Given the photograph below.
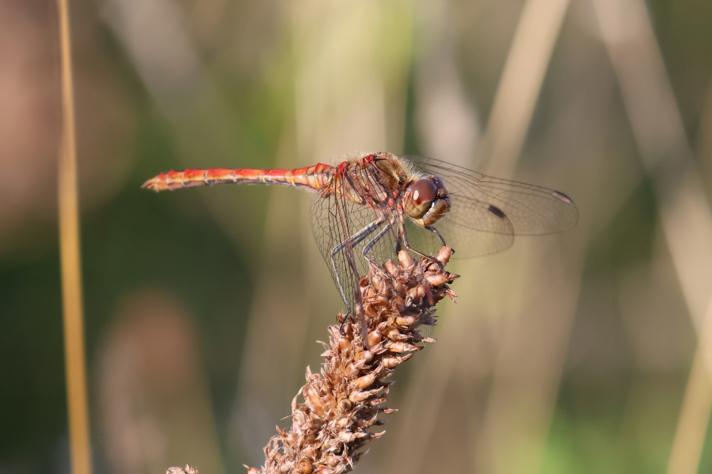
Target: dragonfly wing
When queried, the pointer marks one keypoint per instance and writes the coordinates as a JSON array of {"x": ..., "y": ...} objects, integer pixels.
[
  {"x": 532, "y": 209},
  {"x": 496, "y": 208},
  {"x": 493, "y": 233},
  {"x": 336, "y": 219}
]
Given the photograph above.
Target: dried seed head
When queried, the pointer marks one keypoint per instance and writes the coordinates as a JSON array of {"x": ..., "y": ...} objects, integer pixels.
[
  {"x": 444, "y": 255},
  {"x": 399, "y": 347},
  {"x": 395, "y": 335},
  {"x": 374, "y": 337},
  {"x": 345, "y": 405},
  {"x": 191, "y": 470},
  {"x": 334, "y": 411},
  {"x": 406, "y": 321},
  {"x": 364, "y": 356},
  {"x": 393, "y": 361},
  {"x": 309, "y": 452},
  {"x": 304, "y": 467},
  {"x": 365, "y": 381},
  {"x": 405, "y": 259},
  {"x": 437, "y": 279}
]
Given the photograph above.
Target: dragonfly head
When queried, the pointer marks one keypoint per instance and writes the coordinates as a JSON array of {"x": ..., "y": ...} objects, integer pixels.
[{"x": 426, "y": 200}]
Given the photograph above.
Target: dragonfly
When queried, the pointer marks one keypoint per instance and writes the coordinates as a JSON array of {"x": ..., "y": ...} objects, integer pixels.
[{"x": 372, "y": 205}]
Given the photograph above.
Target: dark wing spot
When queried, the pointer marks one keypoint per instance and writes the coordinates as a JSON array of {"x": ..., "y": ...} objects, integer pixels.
[
  {"x": 564, "y": 197},
  {"x": 496, "y": 211}
]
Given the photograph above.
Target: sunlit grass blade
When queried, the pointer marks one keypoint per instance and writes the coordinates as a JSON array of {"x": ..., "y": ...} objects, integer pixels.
[{"x": 75, "y": 370}]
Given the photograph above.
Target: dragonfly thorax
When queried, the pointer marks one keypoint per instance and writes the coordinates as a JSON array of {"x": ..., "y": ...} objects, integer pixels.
[{"x": 426, "y": 200}]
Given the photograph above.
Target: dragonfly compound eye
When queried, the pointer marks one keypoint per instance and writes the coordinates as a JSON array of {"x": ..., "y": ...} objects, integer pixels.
[
  {"x": 424, "y": 191},
  {"x": 427, "y": 200},
  {"x": 421, "y": 195}
]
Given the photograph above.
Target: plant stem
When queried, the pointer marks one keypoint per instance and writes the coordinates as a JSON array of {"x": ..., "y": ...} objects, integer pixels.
[{"x": 75, "y": 370}]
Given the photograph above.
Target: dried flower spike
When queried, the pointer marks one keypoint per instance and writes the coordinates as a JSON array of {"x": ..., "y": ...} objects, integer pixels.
[
  {"x": 333, "y": 413},
  {"x": 182, "y": 470}
]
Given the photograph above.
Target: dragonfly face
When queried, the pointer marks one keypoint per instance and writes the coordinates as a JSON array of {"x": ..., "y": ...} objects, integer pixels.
[{"x": 426, "y": 200}]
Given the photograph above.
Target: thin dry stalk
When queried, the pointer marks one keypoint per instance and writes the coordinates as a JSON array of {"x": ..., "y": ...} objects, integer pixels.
[
  {"x": 522, "y": 78},
  {"x": 182, "y": 470},
  {"x": 334, "y": 412},
  {"x": 75, "y": 371}
]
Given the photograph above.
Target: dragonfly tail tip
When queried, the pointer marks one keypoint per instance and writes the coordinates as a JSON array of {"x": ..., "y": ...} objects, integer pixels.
[{"x": 150, "y": 185}]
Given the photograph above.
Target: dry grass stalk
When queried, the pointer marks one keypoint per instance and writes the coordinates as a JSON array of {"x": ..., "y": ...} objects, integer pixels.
[
  {"x": 70, "y": 261},
  {"x": 334, "y": 412},
  {"x": 182, "y": 470}
]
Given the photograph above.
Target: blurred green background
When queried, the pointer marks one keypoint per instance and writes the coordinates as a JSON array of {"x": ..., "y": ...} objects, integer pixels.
[{"x": 585, "y": 352}]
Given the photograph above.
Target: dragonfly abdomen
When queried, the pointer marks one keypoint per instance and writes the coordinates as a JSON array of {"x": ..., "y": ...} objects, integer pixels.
[{"x": 312, "y": 177}]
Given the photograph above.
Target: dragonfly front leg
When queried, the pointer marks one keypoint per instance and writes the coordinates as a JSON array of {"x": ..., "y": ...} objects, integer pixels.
[
  {"x": 402, "y": 242},
  {"x": 351, "y": 242},
  {"x": 440, "y": 236}
]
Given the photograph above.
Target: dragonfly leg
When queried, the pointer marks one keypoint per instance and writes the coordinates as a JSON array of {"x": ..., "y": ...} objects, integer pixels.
[
  {"x": 437, "y": 232},
  {"x": 366, "y": 251},
  {"x": 402, "y": 242},
  {"x": 371, "y": 243},
  {"x": 351, "y": 242}
]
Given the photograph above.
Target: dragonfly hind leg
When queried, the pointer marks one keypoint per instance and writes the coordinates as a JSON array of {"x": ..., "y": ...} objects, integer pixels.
[
  {"x": 347, "y": 245},
  {"x": 366, "y": 251}
]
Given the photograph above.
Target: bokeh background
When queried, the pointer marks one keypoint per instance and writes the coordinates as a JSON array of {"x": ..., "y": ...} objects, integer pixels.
[{"x": 585, "y": 352}]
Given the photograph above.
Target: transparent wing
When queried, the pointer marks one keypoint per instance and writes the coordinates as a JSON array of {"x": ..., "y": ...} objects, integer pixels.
[
  {"x": 487, "y": 212},
  {"x": 336, "y": 219},
  {"x": 493, "y": 233}
]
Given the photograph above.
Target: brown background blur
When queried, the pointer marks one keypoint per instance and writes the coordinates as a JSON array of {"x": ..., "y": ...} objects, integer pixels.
[{"x": 585, "y": 352}]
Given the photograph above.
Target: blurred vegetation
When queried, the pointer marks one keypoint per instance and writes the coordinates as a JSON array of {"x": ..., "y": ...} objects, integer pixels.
[{"x": 568, "y": 354}]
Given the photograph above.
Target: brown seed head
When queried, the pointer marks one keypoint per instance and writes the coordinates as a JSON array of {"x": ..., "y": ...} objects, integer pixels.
[{"x": 335, "y": 411}]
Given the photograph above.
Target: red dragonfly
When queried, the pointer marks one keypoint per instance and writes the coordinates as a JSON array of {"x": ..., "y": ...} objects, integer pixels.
[{"x": 372, "y": 205}]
